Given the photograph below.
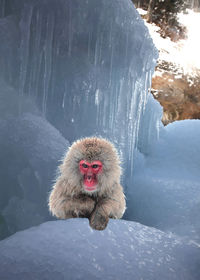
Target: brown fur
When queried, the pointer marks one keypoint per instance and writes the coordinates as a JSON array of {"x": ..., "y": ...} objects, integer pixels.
[{"x": 68, "y": 199}]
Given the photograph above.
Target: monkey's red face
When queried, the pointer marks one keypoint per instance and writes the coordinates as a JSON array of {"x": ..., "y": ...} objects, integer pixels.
[{"x": 90, "y": 172}]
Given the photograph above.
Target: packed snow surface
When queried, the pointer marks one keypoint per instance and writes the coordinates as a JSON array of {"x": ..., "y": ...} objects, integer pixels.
[{"x": 70, "y": 249}]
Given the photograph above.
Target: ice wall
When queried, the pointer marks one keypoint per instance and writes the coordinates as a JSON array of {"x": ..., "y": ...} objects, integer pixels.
[
  {"x": 84, "y": 68},
  {"x": 88, "y": 66}
]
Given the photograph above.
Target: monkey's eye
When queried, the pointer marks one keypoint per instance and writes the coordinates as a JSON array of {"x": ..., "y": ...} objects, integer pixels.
[
  {"x": 85, "y": 165},
  {"x": 95, "y": 166}
]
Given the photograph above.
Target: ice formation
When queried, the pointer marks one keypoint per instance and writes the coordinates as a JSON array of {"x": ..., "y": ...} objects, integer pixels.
[
  {"x": 85, "y": 67},
  {"x": 90, "y": 61}
]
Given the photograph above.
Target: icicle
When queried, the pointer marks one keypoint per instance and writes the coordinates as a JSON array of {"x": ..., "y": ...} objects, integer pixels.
[
  {"x": 89, "y": 43},
  {"x": 37, "y": 56},
  {"x": 70, "y": 32},
  {"x": 24, "y": 46},
  {"x": 111, "y": 65},
  {"x": 48, "y": 59},
  {"x": 2, "y": 10}
]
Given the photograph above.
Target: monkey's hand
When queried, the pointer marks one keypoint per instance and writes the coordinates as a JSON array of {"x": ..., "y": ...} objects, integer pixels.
[
  {"x": 99, "y": 218},
  {"x": 109, "y": 207}
]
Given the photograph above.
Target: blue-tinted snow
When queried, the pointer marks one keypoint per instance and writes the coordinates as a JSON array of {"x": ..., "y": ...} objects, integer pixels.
[
  {"x": 72, "y": 250},
  {"x": 30, "y": 150},
  {"x": 166, "y": 186}
]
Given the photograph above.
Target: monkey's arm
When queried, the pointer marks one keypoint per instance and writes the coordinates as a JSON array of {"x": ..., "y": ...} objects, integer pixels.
[
  {"x": 109, "y": 207},
  {"x": 64, "y": 206}
]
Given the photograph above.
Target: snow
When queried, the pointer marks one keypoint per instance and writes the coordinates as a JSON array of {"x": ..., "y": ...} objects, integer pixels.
[
  {"x": 72, "y": 250},
  {"x": 184, "y": 54},
  {"x": 190, "y": 49},
  {"x": 30, "y": 149},
  {"x": 81, "y": 68},
  {"x": 166, "y": 187}
]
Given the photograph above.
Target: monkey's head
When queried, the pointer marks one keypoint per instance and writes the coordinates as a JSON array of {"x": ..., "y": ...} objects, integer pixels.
[{"x": 92, "y": 165}]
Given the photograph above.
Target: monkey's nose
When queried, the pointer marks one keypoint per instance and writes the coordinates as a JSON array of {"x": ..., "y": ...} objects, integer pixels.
[{"x": 89, "y": 177}]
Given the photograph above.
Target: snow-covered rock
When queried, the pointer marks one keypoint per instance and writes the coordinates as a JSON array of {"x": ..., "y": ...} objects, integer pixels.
[{"x": 70, "y": 249}]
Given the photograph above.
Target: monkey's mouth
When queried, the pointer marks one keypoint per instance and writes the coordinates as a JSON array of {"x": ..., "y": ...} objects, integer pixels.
[{"x": 90, "y": 182}]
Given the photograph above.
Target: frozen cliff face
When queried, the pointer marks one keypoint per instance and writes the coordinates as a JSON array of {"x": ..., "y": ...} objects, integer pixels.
[
  {"x": 72, "y": 250},
  {"x": 88, "y": 66}
]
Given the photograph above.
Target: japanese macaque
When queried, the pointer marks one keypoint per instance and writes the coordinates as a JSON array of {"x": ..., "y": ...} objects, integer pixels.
[{"x": 89, "y": 184}]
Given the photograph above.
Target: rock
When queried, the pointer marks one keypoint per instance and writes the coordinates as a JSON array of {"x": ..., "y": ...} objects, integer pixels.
[{"x": 178, "y": 94}]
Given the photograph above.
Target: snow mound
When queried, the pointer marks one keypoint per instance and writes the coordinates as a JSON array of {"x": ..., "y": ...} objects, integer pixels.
[
  {"x": 30, "y": 148},
  {"x": 166, "y": 192},
  {"x": 177, "y": 153},
  {"x": 70, "y": 249}
]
